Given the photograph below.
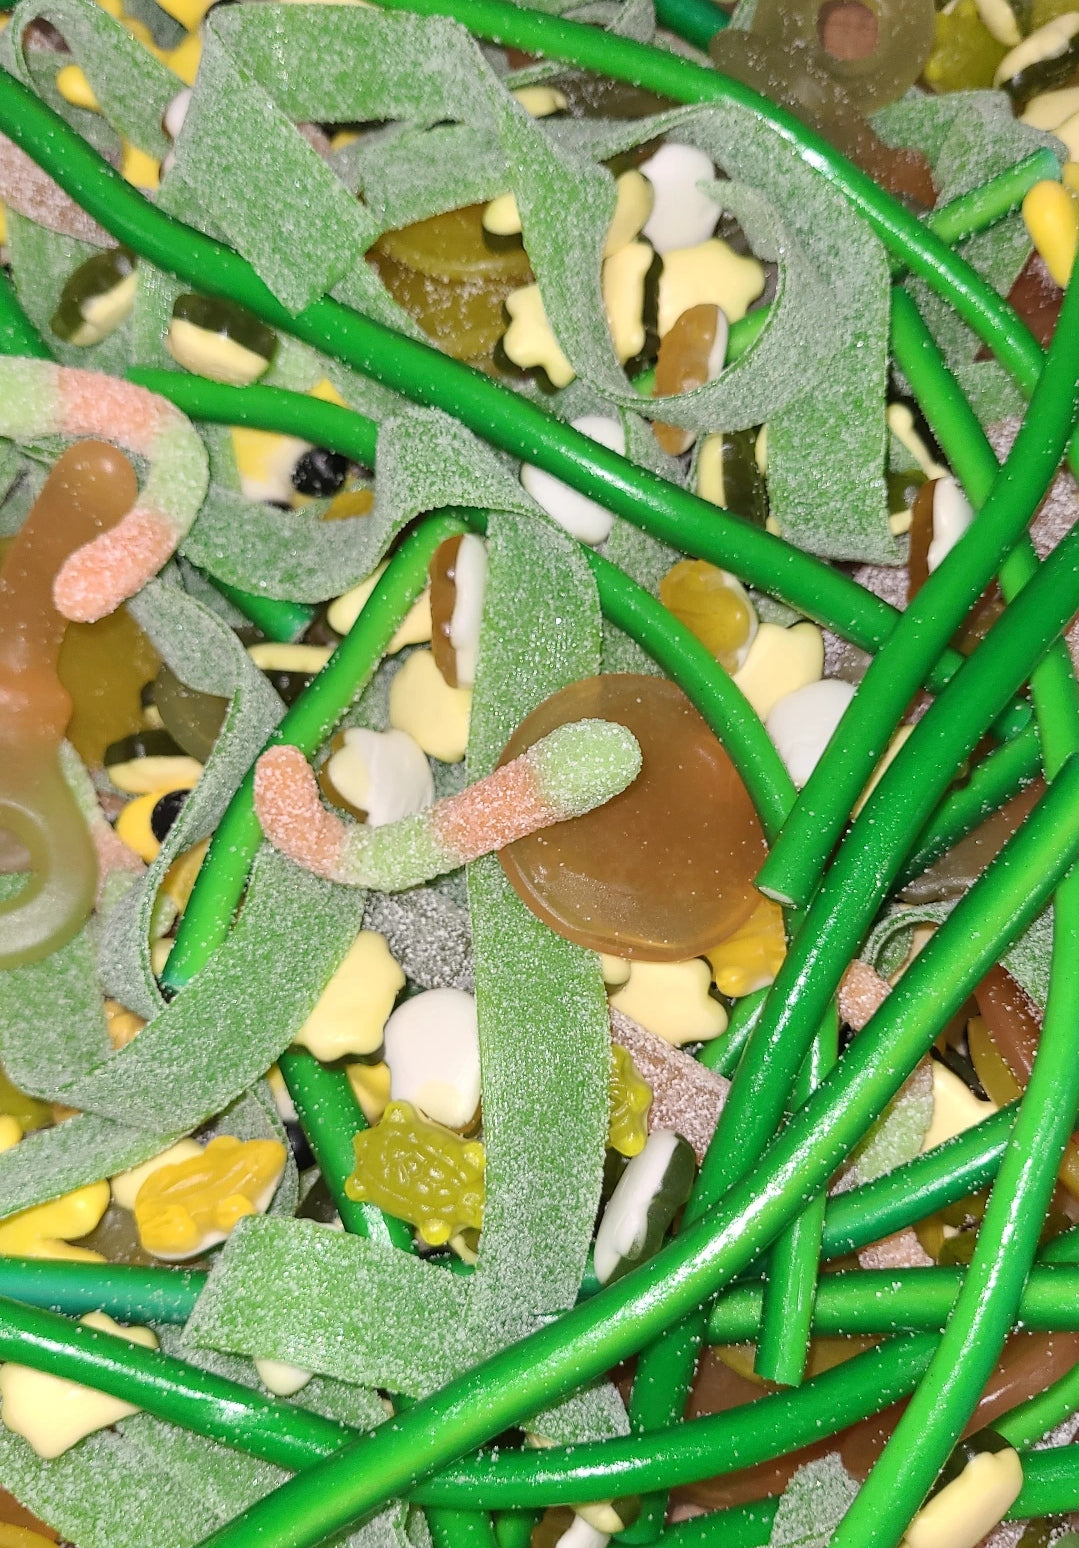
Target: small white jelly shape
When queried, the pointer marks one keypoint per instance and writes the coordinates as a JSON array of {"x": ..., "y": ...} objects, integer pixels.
[
  {"x": 581, "y": 517},
  {"x": 952, "y": 515},
  {"x": 801, "y": 724},
  {"x": 682, "y": 215},
  {"x": 53, "y": 1413},
  {"x": 433, "y": 1051},
  {"x": 382, "y": 773},
  {"x": 281, "y": 1378},
  {"x": 622, "y": 1230},
  {"x": 470, "y": 588}
]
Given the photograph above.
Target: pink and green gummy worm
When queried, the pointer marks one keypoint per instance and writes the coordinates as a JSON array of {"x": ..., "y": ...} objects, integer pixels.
[
  {"x": 38, "y": 398},
  {"x": 567, "y": 773}
]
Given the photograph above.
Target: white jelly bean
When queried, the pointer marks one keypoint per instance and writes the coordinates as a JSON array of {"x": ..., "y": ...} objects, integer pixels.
[
  {"x": 582, "y": 518},
  {"x": 682, "y": 215},
  {"x": 801, "y": 724},
  {"x": 433, "y": 1051}
]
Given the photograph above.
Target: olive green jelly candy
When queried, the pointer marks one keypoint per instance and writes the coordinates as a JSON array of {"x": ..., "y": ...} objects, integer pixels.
[{"x": 97, "y": 298}]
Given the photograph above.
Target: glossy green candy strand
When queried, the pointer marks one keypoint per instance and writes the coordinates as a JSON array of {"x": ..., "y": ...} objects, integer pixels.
[
  {"x": 1007, "y": 1239},
  {"x": 294, "y": 1437},
  {"x": 875, "y": 848},
  {"x": 1050, "y": 1488},
  {"x": 625, "y": 1315}
]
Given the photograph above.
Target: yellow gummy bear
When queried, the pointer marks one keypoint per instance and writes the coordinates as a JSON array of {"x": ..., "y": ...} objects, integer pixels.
[
  {"x": 630, "y": 1099},
  {"x": 181, "y": 1210},
  {"x": 46, "y": 1230},
  {"x": 420, "y": 1172},
  {"x": 750, "y": 958}
]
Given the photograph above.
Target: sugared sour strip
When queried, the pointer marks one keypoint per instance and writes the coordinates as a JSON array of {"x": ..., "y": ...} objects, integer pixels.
[
  {"x": 567, "y": 773},
  {"x": 597, "y": 1334},
  {"x": 39, "y": 399}
]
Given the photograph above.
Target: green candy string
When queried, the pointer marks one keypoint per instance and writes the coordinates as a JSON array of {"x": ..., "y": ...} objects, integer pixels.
[
  {"x": 293, "y": 1437},
  {"x": 625, "y": 1315},
  {"x": 1050, "y": 1488}
]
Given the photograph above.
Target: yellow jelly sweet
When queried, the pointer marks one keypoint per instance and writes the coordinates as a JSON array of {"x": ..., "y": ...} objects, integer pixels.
[
  {"x": 750, "y": 958},
  {"x": 47, "y": 1230},
  {"x": 630, "y": 1099},
  {"x": 421, "y": 1172},
  {"x": 965, "y": 53},
  {"x": 713, "y": 607},
  {"x": 181, "y": 1210}
]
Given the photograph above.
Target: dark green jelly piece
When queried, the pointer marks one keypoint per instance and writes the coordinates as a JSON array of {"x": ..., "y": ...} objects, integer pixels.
[
  {"x": 220, "y": 339},
  {"x": 289, "y": 685},
  {"x": 96, "y": 298},
  {"x": 144, "y": 744},
  {"x": 901, "y": 46},
  {"x": 191, "y": 717}
]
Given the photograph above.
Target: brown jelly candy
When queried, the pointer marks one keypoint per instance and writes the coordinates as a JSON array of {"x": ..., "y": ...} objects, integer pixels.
[{"x": 664, "y": 870}]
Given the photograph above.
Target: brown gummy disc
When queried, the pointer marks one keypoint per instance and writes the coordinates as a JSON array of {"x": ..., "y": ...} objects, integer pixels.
[{"x": 666, "y": 869}]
